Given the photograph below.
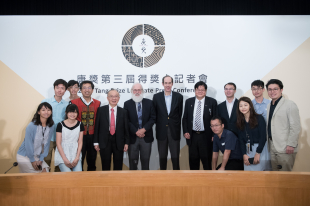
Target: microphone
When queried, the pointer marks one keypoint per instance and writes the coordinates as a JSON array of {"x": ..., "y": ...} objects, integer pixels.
[{"x": 14, "y": 165}]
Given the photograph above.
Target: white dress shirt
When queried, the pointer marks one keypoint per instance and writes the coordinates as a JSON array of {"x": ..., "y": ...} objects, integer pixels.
[
  {"x": 87, "y": 103},
  {"x": 230, "y": 106},
  {"x": 202, "y": 128}
]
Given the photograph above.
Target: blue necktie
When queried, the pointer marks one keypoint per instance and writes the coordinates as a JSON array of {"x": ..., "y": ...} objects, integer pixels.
[{"x": 139, "y": 115}]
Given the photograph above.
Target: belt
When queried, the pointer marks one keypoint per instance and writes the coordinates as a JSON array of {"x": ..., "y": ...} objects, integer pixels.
[{"x": 198, "y": 132}]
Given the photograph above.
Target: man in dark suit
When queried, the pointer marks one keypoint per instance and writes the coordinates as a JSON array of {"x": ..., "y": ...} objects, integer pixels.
[
  {"x": 111, "y": 132},
  {"x": 228, "y": 109},
  {"x": 196, "y": 127},
  {"x": 141, "y": 117},
  {"x": 168, "y": 107}
]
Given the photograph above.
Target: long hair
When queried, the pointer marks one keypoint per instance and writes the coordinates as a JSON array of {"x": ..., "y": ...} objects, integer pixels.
[
  {"x": 36, "y": 117},
  {"x": 240, "y": 116},
  {"x": 72, "y": 108}
]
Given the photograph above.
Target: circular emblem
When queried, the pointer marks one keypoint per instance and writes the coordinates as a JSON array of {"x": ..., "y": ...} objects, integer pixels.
[{"x": 143, "y": 45}]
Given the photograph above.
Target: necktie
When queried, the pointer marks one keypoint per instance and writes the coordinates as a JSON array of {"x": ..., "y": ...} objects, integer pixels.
[
  {"x": 139, "y": 115},
  {"x": 112, "y": 123},
  {"x": 197, "y": 117}
]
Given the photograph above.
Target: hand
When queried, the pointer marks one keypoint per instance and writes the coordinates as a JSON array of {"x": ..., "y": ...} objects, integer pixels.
[
  {"x": 212, "y": 138},
  {"x": 44, "y": 170},
  {"x": 125, "y": 147},
  {"x": 68, "y": 163},
  {"x": 140, "y": 133},
  {"x": 187, "y": 135},
  {"x": 246, "y": 160},
  {"x": 289, "y": 150},
  {"x": 75, "y": 161},
  {"x": 35, "y": 165},
  {"x": 256, "y": 158},
  {"x": 221, "y": 168},
  {"x": 97, "y": 148}
]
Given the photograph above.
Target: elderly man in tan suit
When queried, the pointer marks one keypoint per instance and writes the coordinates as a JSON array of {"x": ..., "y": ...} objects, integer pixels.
[{"x": 283, "y": 127}]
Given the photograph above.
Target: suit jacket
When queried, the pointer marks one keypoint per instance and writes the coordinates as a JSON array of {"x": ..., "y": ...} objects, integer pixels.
[
  {"x": 163, "y": 120},
  {"x": 210, "y": 110},
  {"x": 148, "y": 119},
  {"x": 229, "y": 123},
  {"x": 285, "y": 125},
  {"x": 102, "y": 130}
]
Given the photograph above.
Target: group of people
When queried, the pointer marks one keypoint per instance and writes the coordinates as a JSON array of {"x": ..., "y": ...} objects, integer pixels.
[{"x": 252, "y": 135}]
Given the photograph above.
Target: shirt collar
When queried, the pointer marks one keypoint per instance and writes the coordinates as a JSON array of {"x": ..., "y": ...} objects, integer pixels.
[
  {"x": 231, "y": 102},
  {"x": 54, "y": 100},
  {"x": 170, "y": 95},
  {"x": 115, "y": 108},
  {"x": 276, "y": 102},
  {"x": 265, "y": 101},
  {"x": 202, "y": 100},
  {"x": 85, "y": 100}
]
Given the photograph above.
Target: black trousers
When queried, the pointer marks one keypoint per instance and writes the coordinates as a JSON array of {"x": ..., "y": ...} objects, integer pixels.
[
  {"x": 174, "y": 147},
  {"x": 106, "y": 153},
  {"x": 233, "y": 164},
  {"x": 201, "y": 148},
  {"x": 89, "y": 152}
]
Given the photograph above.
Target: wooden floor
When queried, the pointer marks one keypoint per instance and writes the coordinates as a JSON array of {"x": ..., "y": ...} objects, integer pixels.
[{"x": 156, "y": 188}]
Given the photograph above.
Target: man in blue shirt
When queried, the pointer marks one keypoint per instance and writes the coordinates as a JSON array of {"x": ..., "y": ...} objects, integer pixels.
[
  {"x": 259, "y": 103},
  {"x": 228, "y": 143},
  {"x": 59, "y": 107}
]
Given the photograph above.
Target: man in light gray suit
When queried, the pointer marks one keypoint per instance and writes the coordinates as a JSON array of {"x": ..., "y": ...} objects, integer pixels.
[{"x": 283, "y": 127}]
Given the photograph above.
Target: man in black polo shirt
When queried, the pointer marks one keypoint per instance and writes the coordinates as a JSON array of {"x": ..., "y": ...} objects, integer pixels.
[{"x": 228, "y": 143}]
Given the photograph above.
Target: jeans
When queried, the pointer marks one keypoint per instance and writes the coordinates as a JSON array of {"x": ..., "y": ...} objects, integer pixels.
[{"x": 77, "y": 168}]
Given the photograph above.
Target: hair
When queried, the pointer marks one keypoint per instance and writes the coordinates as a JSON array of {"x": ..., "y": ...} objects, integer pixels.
[
  {"x": 231, "y": 83},
  {"x": 240, "y": 116},
  {"x": 36, "y": 117},
  {"x": 113, "y": 90},
  {"x": 72, "y": 83},
  {"x": 274, "y": 81},
  {"x": 60, "y": 81},
  {"x": 135, "y": 85},
  {"x": 258, "y": 83},
  {"x": 71, "y": 108},
  {"x": 216, "y": 117},
  {"x": 201, "y": 83},
  {"x": 167, "y": 76},
  {"x": 87, "y": 82}
]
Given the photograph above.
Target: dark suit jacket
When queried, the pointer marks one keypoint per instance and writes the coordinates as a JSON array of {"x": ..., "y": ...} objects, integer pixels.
[
  {"x": 229, "y": 123},
  {"x": 210, "y": 109},
  {"x": 163, "y": 120},
  {"x": 102, "y": 131},
  {"x": 148, "y": 119}
]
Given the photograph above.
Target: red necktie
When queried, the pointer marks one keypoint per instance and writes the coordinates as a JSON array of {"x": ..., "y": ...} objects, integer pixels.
[{"x": 112, "y": 123}]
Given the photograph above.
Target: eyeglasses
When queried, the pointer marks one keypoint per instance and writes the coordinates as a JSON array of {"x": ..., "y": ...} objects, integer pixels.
[
  {"x": 87, "y": 88},
  {"x": 256, "y": 89},
  {"x": 200, "y": 90},
  {"x": 230, "y": 89},
  {"x": 271, "y": 90},
  {"x": 137, "y": 90},
  {"x": 113, "y": 97},
  {"x": 217, "y": 125}
]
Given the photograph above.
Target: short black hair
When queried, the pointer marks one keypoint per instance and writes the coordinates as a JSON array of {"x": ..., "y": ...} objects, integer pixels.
[
  {"x": 72, "y": 108},
  {"x": 36, "y": 117},
  {"x": 231, "y": 83},
  {"x": 87, "y": 82},
  {"x": 60, "y": 81},
  {"x": 72, "y": 83},
  {"x": 201, "y": 83},
  {"x": 258, "y": 83},
  {"x": 216, "y": 117},
  {"x": 167, "y": 76},
  {"x": 275, "y": 81}
]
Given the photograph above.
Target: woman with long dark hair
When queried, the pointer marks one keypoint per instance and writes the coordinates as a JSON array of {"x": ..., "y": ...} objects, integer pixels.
[
  {"x": 34, "y": 149},
  {"x": 69, "y": 141},
  {"x": 252, "y": 136}
]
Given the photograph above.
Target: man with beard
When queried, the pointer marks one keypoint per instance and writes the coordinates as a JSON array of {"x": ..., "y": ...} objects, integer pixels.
[{"x": 141, "y": 117}]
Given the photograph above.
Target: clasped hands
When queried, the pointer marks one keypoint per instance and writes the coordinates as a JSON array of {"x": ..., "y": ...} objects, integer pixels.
[
  {"x": 71, "y": 164},
  {"x": 140, "y": 133}
]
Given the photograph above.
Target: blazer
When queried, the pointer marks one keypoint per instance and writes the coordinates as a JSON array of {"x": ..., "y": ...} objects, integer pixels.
[
  {"x": 148, "y": 119},
  {"x": 229, "y": 123},
  {"x": 163, "y": 120},
  {"x": 102, "y": 131},
  {"x": 285, "y": 125},
  {"x": 210, "y": 110}
]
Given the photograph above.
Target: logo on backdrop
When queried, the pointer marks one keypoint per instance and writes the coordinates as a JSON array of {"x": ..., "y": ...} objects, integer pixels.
[{"x": 143, "y": 45}]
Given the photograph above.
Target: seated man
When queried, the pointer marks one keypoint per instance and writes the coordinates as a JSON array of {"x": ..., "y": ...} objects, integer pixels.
[{"x": 228, "y": 143}]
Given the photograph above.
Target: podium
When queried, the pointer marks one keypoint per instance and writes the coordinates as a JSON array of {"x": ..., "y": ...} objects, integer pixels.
[{"x": 156, "y": 188}]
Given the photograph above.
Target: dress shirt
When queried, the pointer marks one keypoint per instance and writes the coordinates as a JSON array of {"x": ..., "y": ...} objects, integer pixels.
[
  {"x": 230, "y": 106},
  {"x": 59, "y": 109},
  {"x": 202, "y": 128},
  {"x": 261, "y": 108},
  {"x": 168, "y": 100},
  {"x": 272, "y": 108},
  {"x": 87, "y": 103}
]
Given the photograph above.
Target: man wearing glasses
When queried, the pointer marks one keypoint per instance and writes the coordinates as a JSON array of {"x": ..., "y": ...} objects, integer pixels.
[
  {"x": 259, "y": 103},
  {"x": 87, "y": 115},
  {"x": 228, "y": 143},
  {"x": 196, "y": 127},
  {"x": 283, "y": 128},
  {"x": 228, "y": 109}
]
